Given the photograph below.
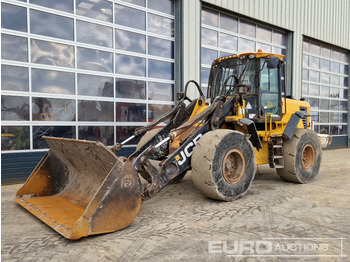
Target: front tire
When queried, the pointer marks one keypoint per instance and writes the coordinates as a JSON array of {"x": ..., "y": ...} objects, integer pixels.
[
  {"x": 223, "y": 164},
  {"x": 302, "y": 157}
]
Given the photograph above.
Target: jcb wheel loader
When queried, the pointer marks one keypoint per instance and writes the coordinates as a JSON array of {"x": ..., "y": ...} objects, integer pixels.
[{"x": 83, "y": 188}]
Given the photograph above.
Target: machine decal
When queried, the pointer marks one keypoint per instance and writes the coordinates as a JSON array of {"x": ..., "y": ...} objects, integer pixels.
[{"x": 187, "y": 152}]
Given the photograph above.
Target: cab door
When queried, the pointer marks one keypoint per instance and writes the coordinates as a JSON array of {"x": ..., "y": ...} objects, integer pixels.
[{"x": 269, "y": 93}]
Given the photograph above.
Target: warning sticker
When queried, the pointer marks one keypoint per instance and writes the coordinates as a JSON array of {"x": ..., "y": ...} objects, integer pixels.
[{"x": 248, "y": 106}]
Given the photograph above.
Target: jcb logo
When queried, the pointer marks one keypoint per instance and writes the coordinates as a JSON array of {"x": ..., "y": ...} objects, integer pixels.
[{"x": 187, "y": 151}]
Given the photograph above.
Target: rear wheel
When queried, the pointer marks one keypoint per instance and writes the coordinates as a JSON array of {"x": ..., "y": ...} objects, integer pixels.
[
  {"x": 302, "y": 157},
  {"x": 223, "y": 164}
]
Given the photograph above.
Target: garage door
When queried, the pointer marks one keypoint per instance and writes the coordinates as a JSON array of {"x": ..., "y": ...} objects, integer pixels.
[
  {"x": 226, "y": 34},
  {"x": 85, "y": 69},
  {"x": 325, "y": 86}
]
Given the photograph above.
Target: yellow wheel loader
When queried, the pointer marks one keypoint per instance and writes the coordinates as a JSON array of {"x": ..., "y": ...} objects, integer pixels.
[{"x": 83, "y": 188}]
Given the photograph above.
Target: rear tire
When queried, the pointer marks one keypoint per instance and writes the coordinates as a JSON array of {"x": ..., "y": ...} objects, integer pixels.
[
  {"x": 302, "y": 157},
  {"x": 223, "y": 164}
]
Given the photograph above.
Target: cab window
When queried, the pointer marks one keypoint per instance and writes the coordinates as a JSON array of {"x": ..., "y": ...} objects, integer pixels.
[{"x": 269, "y": 93}]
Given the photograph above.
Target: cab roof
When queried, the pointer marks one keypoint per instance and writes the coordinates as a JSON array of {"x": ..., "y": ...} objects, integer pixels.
[{"x": 247, "y": 54}]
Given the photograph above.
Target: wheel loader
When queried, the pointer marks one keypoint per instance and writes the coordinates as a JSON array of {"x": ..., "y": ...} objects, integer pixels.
[{"x": 83, "y": 188}]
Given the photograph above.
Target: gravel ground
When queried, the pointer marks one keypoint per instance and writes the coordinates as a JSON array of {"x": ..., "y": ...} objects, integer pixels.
[{"x": 274, "y": 221}]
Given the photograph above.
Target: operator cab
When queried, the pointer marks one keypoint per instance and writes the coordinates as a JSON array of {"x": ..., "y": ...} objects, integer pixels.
[{"x": 255, "y": 76}]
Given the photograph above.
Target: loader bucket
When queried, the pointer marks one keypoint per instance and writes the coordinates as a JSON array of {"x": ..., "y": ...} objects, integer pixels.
[{"x": 81, "y": 188}]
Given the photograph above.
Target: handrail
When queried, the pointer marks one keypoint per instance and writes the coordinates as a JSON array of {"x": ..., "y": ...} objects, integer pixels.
[{"x": 268, "y": 114}]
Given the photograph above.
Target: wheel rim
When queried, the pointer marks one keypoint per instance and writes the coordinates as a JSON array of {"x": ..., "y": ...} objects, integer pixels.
[
  {"x": 233, "y": 166},
  {"x": 308, "y": 157}
]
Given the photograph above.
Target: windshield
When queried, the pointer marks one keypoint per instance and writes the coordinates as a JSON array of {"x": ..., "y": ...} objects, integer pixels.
[{"x": 227, "y": 74}]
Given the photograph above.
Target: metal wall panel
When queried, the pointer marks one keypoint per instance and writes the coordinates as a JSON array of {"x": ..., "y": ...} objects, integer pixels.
[
  {"x": 191, "y": 17},
  {"x": 326, "y": 20}
]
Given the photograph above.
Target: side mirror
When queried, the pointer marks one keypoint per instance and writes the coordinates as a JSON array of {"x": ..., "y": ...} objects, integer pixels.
[{"x": 273, "y": 62}]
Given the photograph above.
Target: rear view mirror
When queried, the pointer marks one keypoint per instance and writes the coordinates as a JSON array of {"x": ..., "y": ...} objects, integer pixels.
[{"x": 273, "y": 62}]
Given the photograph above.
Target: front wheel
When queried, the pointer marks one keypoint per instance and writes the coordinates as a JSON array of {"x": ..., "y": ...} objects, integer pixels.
[
  {"x": 223, "y": 164},
  {"x": 302, "y": 157}
]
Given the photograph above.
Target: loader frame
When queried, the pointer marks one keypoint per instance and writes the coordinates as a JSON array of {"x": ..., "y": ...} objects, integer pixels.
[
  {"x": 83, "y": 188},
  {"x": 229, "y": 112},
  {"x": 162, "y": 172}
]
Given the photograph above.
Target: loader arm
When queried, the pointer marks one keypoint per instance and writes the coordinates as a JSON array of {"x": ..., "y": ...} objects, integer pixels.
[
  {"x": 178, "y": 115},
  {"x": 161, "y": 171},
  {"x": 155, "y": 161},
  {"x": 175, "y": 115},
  {"x": 182, "y": 115}
]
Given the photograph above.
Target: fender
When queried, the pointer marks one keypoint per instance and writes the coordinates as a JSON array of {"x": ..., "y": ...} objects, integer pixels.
[
  {"x": 293, "y": 123},
  {"x": 254, "y": 137}
]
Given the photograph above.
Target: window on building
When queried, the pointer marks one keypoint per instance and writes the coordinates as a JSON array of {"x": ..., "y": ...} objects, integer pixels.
[
  {"x": 224, "y": 34},
  {"x": 325, "y": 86}
]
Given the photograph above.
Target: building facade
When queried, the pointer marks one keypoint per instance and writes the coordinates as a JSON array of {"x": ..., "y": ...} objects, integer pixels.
[{"x": 97, "y": 69}]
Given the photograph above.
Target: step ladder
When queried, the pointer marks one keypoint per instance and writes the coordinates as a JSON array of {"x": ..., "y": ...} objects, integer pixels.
[{"x": 276, "y": 158}]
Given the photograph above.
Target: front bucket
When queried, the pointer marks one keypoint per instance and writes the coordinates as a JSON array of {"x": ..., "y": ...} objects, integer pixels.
[{"x": 81, "y": 188}]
